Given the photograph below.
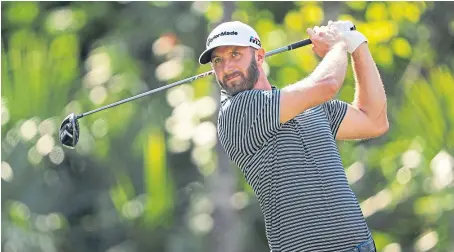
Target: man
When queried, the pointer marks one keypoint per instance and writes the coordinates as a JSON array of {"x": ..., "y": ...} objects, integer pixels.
[{"x": 284, "y": 140}]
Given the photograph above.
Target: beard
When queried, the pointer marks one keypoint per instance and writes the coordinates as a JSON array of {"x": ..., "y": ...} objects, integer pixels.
[{"x": 243, "y": 82}]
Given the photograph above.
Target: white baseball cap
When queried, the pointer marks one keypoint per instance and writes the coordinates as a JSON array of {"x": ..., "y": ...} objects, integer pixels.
[{"x": 234, "y": 33}]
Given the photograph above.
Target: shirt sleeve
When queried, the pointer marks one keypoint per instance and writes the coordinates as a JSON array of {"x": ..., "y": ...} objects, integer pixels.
[
  {"x": 248, "y": 120},
  {"x": 335, "y": 111}
]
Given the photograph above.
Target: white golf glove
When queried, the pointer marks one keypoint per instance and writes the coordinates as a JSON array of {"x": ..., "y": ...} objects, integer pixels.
[{"x": 353, "y": 39}]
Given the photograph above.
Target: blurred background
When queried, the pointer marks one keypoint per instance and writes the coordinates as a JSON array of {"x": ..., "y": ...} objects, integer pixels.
[{"x": 150, "y": 175}]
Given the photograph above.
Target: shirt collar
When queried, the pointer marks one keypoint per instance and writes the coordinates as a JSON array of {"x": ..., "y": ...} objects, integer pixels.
[{"x": 225, "y": 96}]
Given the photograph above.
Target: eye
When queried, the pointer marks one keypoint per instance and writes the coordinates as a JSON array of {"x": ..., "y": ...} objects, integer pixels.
[
  {"x": 216, "y": 60},
  {"x": 235, "y": 53}
]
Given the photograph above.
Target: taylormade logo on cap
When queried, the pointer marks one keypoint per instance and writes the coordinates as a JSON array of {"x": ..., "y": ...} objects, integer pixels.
[
  {"x": 233, "y": 33},
  {"x": 221, "y": 34}
]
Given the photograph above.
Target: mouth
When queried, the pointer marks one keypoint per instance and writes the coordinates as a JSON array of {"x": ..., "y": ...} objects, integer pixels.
[{"x": 232, "y": 77}]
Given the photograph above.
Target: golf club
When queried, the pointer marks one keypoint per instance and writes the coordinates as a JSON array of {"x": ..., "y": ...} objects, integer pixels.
[{"x": 69, "y": 129}]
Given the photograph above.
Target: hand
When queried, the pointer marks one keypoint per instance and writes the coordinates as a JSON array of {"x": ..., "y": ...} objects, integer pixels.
[
  {"x": 341, "y": 25},
  {"x": 323, "y": 39},
  {"x": 353, "y": 39}
]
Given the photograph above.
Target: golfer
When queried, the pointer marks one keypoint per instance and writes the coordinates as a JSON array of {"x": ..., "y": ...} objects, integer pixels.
[{"x": 284, "y": 140}]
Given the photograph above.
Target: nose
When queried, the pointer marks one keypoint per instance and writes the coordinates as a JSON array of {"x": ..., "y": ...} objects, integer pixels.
[{"x": 228, "y": 66}]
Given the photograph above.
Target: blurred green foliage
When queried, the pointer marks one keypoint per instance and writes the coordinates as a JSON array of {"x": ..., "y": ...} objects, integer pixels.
[{"x": 143, "y": 177}]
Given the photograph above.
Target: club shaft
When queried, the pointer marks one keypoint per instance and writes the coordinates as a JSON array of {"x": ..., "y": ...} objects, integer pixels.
[
  {"x": 191, "y": 79},
  {"x": 187, "y": 80},
  {"x": 289, "y": 47}
]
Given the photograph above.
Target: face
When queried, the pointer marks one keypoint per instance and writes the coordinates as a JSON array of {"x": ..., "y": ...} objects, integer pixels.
[{"x": 235, "y": 67}]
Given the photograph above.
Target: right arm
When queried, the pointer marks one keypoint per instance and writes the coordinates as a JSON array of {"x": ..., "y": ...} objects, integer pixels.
[
  {"x": 249, "y": 119},
  {"x": 321, "y": 86}
]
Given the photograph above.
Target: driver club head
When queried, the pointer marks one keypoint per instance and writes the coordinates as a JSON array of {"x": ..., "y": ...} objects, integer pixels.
[{"x": 69, "y": 131}]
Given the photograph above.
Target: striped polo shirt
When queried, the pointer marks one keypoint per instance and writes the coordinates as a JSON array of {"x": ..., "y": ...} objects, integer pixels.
[{"x": 295, "y": 170}]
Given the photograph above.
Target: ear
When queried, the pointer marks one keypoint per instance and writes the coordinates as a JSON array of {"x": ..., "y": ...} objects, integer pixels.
[{"x": 260, "y": 56}]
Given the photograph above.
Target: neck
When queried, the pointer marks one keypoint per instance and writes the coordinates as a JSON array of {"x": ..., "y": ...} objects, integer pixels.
[{"x": 262, "y": 82}]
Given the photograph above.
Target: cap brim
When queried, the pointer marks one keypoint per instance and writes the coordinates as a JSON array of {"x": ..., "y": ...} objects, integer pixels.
[{"x": 205, "y": 57}]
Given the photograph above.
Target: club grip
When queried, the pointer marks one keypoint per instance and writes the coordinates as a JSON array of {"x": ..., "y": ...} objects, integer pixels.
[
  {"x": 306, "y": 42},
  {"x": 299, "y": 44}
]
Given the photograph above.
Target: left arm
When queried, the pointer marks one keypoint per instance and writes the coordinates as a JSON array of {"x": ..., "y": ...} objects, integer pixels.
[{"x": 367, "y": 116}]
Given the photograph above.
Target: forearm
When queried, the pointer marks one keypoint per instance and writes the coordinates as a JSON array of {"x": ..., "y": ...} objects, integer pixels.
[
  {"x": 370, "y": 95},
  {"x": 318, "y": 88},
  {"x": 333, "y": 64}
]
